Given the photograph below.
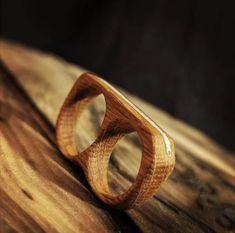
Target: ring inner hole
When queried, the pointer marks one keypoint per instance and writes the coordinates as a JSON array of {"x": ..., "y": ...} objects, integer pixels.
[
  {"x": 124, "y": 163},
  {"x": 89, "y": 122}
]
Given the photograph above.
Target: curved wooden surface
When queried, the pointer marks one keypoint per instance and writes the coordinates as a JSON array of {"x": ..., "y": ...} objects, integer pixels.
[
  {"x": 121, "y": 118},
  {"x": 43, "y": 192}
]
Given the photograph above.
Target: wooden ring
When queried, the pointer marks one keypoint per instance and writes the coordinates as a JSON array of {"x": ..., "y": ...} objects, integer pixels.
[{"x": 121, "y": 117}]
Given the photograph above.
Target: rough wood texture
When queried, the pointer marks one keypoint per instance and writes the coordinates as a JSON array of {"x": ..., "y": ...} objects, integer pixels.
[
  {"x": 121, "y": 118},
  {"x": 39, "y": 191},
  {"x": 198, "y": 197}
]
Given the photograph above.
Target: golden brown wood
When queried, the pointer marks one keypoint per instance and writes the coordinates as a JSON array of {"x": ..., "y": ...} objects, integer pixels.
[
  {"x": 121, "y": 117},
  {"x": 39, "y": 191},
  {"x": 199, "y": 196}
]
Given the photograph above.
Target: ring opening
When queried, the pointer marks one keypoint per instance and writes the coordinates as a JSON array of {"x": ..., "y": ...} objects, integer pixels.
[
  {"x": 89, "y": 122},
  {"x": 124, "y": 163}
]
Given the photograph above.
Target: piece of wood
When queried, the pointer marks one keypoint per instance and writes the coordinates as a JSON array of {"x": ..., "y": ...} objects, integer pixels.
[
  {"x": 39, "y": 191},
  {"x": 121, "y": 118},
  {"x": 200, "y": 194}
]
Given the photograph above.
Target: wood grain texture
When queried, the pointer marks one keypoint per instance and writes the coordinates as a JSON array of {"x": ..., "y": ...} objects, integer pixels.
[
  {"x": 121, "y": 118},
  {"x": 200, "y": 194},
  {"x": 39, "y": 191}
]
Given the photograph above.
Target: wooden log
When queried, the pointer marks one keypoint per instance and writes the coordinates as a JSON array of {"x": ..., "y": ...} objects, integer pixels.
[
  {"x": 39, "y": 191},
  {"x": 199, "y": 196}
]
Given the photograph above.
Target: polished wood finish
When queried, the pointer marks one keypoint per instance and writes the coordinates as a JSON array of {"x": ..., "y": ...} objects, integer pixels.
[
  {"x": 199, "y": 196},
  {"x": 121, "y": 117}
]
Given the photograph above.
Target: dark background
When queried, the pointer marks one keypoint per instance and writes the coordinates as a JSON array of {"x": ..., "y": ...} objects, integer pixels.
[{"x": 178, "y": 55}]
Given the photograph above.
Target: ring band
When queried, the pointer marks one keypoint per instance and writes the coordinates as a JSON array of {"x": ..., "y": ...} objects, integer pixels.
[{"x": 121, "y": 117}]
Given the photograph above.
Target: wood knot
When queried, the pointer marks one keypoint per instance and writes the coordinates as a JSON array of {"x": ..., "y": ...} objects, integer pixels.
[{"x": 27, "y": 194}]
